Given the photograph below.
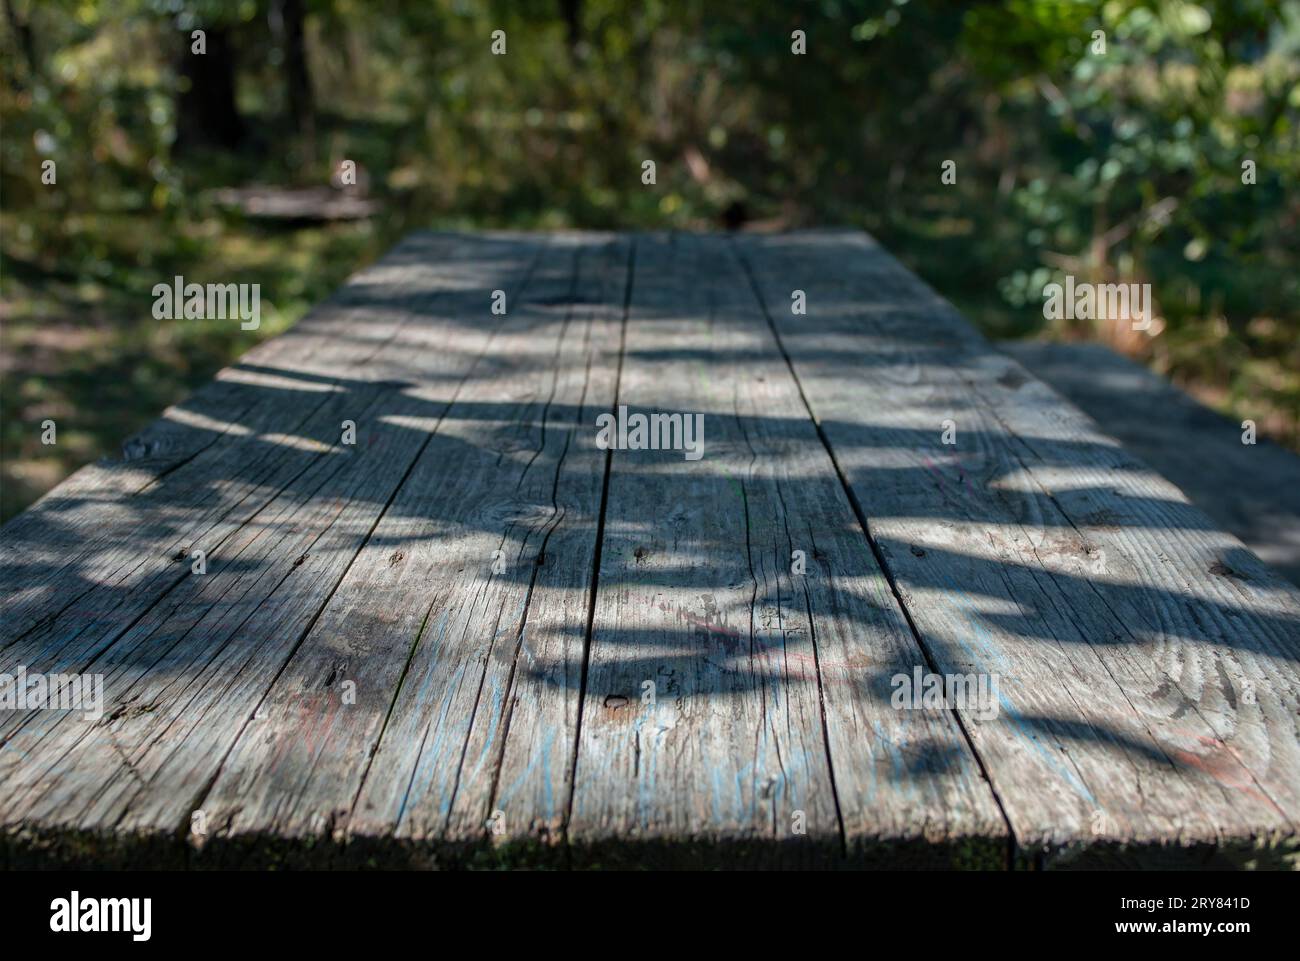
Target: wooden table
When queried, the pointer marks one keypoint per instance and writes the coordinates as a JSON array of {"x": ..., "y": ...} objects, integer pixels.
[{"x": 475, "y": 637}]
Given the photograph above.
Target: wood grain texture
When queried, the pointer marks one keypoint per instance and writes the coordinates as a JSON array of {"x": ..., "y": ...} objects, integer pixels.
[
  {"x": 703, "y": 732},
  {"x": 1250, "y": 490},
  {"x": 432, "y": 648},
  {"x": 183, "y": 675},
  {"x": 113, "y": 526},
  {"x": 1147, "y": 660},
  {"x": 430, "y": 619}
]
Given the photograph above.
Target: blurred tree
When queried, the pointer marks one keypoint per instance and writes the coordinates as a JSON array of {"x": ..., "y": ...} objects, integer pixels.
[
  {"x": 571, "y": 11},
  {"x": 21, "y": 28},
  {"x": 206, "y": 111},
  {"x": 288, "y": 19},
  {"x": 1124, "y": 165}
]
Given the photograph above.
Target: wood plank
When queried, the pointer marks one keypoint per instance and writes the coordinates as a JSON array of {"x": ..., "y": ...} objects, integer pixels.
[
  {"x": 84, "y": 548},
  {"x": 183, "y": 677},
  {"x": 1250, "y": 490},
  {"x": 485, "y": 770},
  {"x": 1147, "y": 661},
  {"x": 728, "y": 762},
  {"x": 430, "y": 640}
]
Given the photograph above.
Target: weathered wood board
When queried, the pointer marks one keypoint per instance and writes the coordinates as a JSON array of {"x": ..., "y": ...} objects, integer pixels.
[
  {"x": 1250, "y": 490},
  {"x": 730, "y": 703},
  {"x": 476, "y": 636},
  {"x": 1147, "y": 662},
  {"x": 185, "y": 673}
]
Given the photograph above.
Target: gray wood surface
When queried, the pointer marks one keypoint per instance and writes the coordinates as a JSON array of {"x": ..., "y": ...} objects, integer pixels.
[
  {"x": 1251, "y": 490},
  {"x": 1147, "y": 661},
  {"x": 476, "y": 638},
  {"x": 770, "y": 709}
]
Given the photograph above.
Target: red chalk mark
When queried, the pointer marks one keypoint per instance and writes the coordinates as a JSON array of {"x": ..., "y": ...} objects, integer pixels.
[{"x": 1224, "y": 765}]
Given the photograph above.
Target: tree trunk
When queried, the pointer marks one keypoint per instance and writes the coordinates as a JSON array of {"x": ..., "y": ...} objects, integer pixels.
[
  {"x": 26, "y": 43},
  {"x": 206, "y": 113},
  {"x": 571, "y": 11},
  {"x": 297, "y": 79}
]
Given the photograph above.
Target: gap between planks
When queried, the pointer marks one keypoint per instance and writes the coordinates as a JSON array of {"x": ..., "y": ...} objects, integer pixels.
[{"x": 875, "y": 548}]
